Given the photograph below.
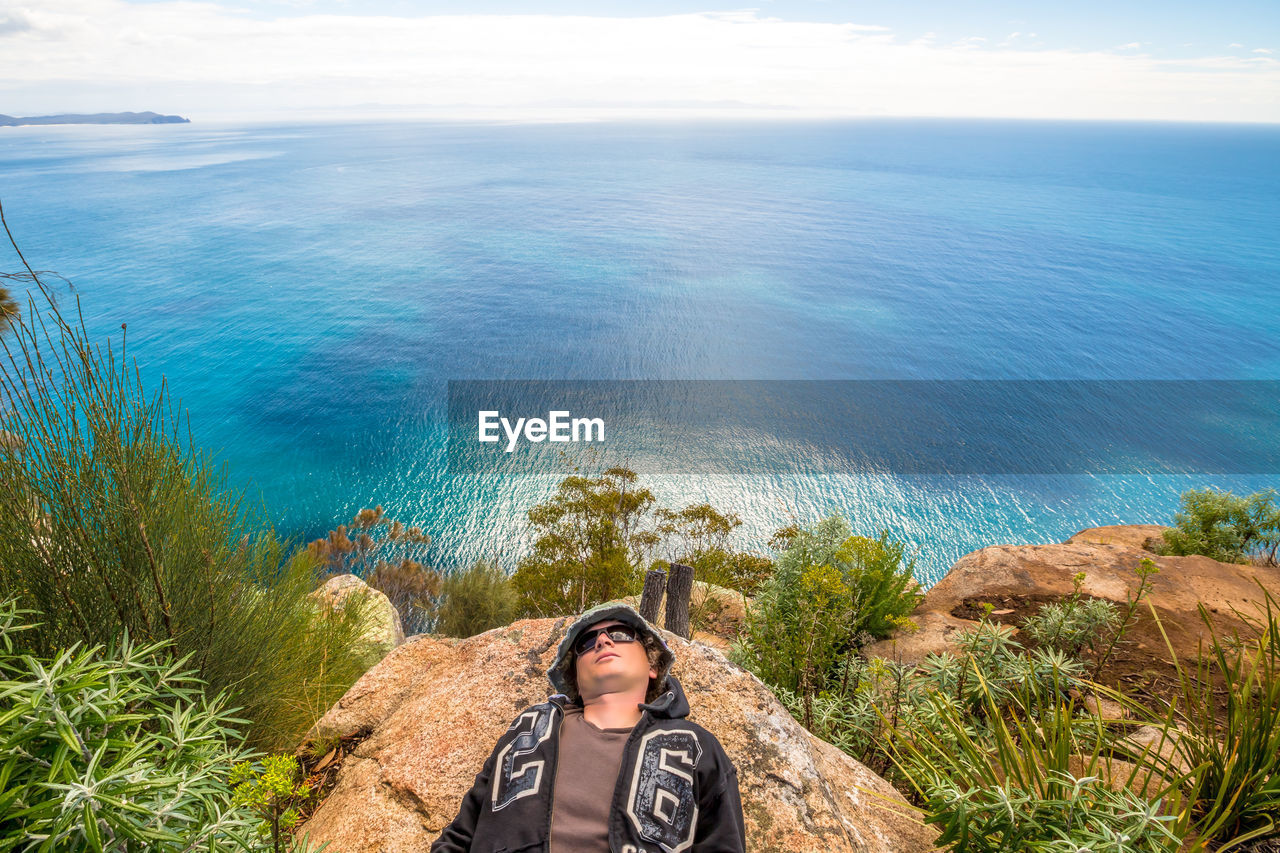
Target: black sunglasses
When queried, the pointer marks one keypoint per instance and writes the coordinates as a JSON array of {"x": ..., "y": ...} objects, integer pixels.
[{"x": 617, "y": 633}]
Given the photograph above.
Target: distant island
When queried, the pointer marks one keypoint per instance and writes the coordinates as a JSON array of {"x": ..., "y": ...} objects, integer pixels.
[{"x": 96, "y": 118}]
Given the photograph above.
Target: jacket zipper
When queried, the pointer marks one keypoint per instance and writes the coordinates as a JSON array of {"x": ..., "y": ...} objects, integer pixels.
[{"x": 622, "y": 770}]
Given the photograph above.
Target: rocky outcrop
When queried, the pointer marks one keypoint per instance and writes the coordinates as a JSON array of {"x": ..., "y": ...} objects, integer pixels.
[
  {"x": 1013, "y": 576},
  {"x": 1144, "y": 537},
  {"x": 95, "y": 118},
  {"x": 433, "y": 708},
  {"x": 383, "y": 631}
]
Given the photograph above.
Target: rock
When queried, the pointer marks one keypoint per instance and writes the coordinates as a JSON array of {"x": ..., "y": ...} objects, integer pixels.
[
  {"x": 1144, "y": 537},
  {"x": 1016, "y": 573},
  {"x": 1118, "y": 774},
  {"x": 383, "y": 632},
  {"x": 1151, "y": 743},
  {"x": 433, "y": 709},
  {"x": 1107, "y": 709},
  {"x": 719, "y": 610}
]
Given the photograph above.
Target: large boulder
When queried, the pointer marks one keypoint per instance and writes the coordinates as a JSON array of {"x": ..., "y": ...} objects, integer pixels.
[
  {"x": 432, "y": 710},
  {"x": 1017, "y": 579},
  {"x": 382, "y": 631}
]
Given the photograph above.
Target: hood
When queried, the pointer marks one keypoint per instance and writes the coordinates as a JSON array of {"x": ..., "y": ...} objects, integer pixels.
[
  {"x": 623, "y": 613},
  {"x": 670, "y": 703}
]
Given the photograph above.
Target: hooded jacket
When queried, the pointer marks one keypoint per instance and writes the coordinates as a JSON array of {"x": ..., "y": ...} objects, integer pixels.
[{"x": 677, "y": 790}]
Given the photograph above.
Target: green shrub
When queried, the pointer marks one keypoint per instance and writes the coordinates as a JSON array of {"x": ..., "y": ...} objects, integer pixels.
[
  {"x": 865, "y": 703},
  {"x": 116, "y": 751},
  {"x": 828, "y": 590},
  {"x": 884, "y": 589},
  {"x": 475, "y": 600},
  {"x": 111, "y": 522},
  {"x": 273, "y": 791},
  {"x": 802, "y": 617},
  {"x": 1073, "y": 623},
  {"x": 1225, "y": 527}
]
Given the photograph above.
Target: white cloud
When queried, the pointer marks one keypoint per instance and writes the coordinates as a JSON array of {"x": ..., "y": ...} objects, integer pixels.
[
  {"x": 1262, "y": 50},
  {"x": 1130, "y": 46},
  {"x": 15, "y": 21},
  {"x": 1235, "y": 44},
  {"x": 206, "y": 60}
]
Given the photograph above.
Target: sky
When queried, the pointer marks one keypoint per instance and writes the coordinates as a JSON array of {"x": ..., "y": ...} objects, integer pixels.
[{"x": 267, "y": 59}]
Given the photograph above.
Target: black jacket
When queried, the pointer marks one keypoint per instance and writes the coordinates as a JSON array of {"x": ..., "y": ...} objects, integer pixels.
[{"x": 677, "y": 790}]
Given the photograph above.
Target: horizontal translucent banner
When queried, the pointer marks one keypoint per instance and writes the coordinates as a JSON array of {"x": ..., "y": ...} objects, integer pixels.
[{"x": 908, "y": 427}]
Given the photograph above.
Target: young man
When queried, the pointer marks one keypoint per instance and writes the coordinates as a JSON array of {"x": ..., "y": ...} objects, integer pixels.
[{"x": 608, "y": 764}]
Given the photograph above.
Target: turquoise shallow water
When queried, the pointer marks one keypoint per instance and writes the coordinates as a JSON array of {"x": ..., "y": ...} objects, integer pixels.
[{"x": 308, "y": 291}]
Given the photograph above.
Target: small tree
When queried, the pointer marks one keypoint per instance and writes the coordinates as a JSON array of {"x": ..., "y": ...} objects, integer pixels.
[
  {"x": 700, "y": 536},
  {"x": 592, "y": 538},
  {"x": 1225, "y": 527}
]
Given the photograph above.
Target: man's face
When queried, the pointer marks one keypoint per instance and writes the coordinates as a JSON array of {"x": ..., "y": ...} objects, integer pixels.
[{"x": 611, "y": 667}]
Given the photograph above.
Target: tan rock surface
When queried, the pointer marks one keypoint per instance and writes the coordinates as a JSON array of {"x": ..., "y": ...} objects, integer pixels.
[
  {"x": 1002, "y": 573},
  {"x": 434, "y": 708},
  {"x": 1152, "y": 742},
  {"x": 383, "y": 631},
  {"x": 1141, "y": 536}
]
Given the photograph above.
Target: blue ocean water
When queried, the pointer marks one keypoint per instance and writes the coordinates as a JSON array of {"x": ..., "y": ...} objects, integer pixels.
[{"x": 307, "y": 291}]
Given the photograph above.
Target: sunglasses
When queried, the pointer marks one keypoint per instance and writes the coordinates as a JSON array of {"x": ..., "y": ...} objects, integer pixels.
[{"x": 617, "y": 633}]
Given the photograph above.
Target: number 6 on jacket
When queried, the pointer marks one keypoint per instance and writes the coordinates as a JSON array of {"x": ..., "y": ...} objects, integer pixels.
[
  {"x": 661, "y": 803},
  {"x": 513, "y": 778}
]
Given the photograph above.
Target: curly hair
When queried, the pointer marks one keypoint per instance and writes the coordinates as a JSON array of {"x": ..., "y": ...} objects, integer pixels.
[{"x": 652, "y": 651}]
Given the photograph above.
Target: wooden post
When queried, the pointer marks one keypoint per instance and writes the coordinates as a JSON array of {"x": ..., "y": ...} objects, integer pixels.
[
  {"x": 679, "y": 589},
  {"x": 654, "y": 584}
]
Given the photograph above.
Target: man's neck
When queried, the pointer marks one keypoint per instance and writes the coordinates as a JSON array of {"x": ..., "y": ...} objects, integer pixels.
[{"x": 613, "y": 710}]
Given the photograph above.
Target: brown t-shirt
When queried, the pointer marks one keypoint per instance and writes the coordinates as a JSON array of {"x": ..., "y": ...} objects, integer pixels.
[{"x": 586, "y": 775}]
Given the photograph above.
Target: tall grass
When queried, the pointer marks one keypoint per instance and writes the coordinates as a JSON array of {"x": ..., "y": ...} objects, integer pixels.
[
  {"x": 111, "y": 521},
  {"x": 1225, "y": 725},
  {"x": 475, "y": 600},
  {"x": 1035, "y": 774}
]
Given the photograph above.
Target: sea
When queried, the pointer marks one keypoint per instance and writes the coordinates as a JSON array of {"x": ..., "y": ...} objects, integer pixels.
[{"x": 308, "y": 292}]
